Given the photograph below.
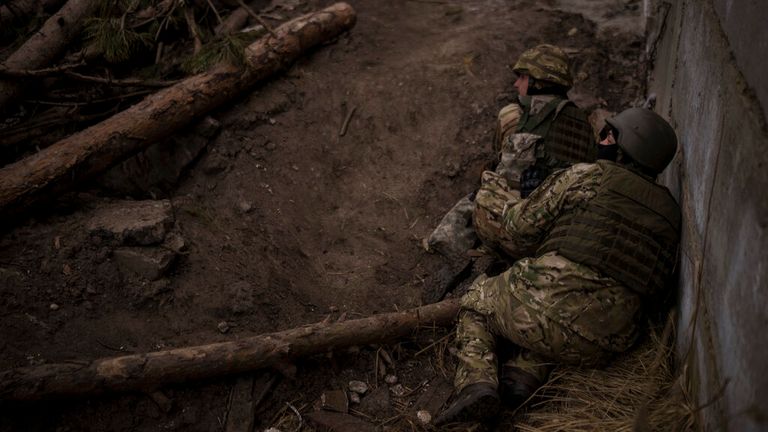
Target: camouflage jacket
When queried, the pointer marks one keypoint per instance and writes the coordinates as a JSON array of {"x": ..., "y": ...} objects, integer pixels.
[{"x": 576, "y": 296}]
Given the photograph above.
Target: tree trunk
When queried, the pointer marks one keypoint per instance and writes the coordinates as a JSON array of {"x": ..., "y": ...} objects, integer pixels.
[
  {"x": 151, "y": 370},
  {"x": 101, "y": 146},
  {"x": 46, "y": 45},
  {"x": 20, "y": 9}
]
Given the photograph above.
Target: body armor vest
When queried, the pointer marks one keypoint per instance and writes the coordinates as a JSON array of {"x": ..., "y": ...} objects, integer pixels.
[
  {"x": 629, "y": 231},
  {"x": 565, "y": 130}
]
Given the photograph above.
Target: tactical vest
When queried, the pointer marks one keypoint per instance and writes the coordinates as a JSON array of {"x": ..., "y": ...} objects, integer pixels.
[
  {"x": 628, "y": 231},
  {"x": 566, "y": 132}
]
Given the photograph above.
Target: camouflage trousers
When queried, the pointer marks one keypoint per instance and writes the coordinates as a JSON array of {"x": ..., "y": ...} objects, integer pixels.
[
  {"x": 493, "y": 194},
  {"x": 490, "y": 311}
]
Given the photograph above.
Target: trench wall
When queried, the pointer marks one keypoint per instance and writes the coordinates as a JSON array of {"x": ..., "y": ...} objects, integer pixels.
[{"x": 710, "y": 75}]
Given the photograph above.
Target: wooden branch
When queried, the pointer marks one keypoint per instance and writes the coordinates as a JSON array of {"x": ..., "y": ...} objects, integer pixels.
[
  {"x": 19, "y": 9},
  {"x": 150, "y": 370},
  {"x": 215, "y": 11},
  {"x": 256, "y": 16},
  {"x": 93, "y": 150},
  {"x": 128, "y": 82},
  {"x": 237, "y": 19},
  {"x": 189, "y": 15},
  {"x": 234, "y": 22},
  {"x": 46, "y": 45},
  {"x": 46, "y": 72},
  {"x": 67, "y": 70}
]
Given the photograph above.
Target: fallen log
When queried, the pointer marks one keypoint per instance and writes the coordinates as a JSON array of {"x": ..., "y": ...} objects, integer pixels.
[
  {"x": 93, "y": 150},
  {"x": 46, "y": 45},
  {"x": 151, "y": 370},
  {"x": 19, "y": 9}
]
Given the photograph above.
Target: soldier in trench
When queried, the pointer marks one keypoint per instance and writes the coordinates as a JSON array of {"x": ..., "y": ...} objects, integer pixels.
[
  {"x": 541, "y": 132},
  {"x": 605, "y": 237}
]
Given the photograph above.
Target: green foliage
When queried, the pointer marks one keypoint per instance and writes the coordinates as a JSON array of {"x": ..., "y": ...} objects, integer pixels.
[
  {"x": 226, "y": 48},
  {"x": 116, "y": 41}
]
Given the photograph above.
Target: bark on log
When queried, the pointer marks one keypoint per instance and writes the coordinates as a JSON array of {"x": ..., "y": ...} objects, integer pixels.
[
  {"x": 46, "y": 45},
  {"x": 19, "y": 9},
  {"x": 150, "y": 370},
  {"x": 101, "y": 146}
]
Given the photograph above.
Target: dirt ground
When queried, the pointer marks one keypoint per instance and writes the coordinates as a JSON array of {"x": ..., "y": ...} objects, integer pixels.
[{"x": 285, "y": 221}]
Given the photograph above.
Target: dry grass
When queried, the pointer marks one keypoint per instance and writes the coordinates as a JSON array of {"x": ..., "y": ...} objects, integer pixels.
[{"x": 638, "y": 392}]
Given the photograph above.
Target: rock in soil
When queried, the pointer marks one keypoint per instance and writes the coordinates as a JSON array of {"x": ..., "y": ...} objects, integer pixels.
[
  {"x": 359, "y": 387},
  {"x": 377, "y": 403},
  {"x": 334, "y": 400},
  {"x": 132, "y": 222},
  {"x": 147, "y": 263}
]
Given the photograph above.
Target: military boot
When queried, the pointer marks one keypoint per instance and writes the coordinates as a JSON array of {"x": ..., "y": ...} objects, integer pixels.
[
  {"x": 475, "y": 403},
  {"x": 516, "y": 386}
]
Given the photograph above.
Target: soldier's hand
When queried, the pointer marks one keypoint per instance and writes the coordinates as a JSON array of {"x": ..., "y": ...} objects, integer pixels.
[{"x": 530, "y": 179}]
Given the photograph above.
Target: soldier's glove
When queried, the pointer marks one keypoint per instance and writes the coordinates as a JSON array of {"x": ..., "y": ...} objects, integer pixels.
[{"x": 530, "y": 179}]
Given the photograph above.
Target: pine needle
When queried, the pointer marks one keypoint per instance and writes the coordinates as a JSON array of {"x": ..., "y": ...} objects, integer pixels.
[
  {"x": 117, "y": 42},
  {"x": 226, "y": 48}
]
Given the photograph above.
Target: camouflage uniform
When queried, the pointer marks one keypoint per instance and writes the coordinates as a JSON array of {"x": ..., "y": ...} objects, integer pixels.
[
  {"x": 555, "y": 309},
  {"x": 543, "y": 130}
]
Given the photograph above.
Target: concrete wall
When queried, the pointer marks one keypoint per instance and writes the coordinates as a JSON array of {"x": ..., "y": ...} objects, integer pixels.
[{"x": 711, "y": 60}]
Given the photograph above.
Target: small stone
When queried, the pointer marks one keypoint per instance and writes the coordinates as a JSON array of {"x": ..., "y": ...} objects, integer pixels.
[
  {"x": 271, "y": 146},
  {"x": 294, "y": 167},
  {"x": 54, "y": 307},
  {"x": 175, "y": 242},
  {"x": 572, "y": 32},
  {"x": 358, "y": 387},
  {"x": 377, "y": 403},
  {"x": 223, "y": 327},
  {"x": 582, "y": 76},
  {"x": 424, "y": 416},
  {"x": 272, "y": 121},
  {"x": 390, "y": 379},
  {"x": 397, "y": 390},
  {"x": 272, "y": 430},
  {"x": 244, "y": 206},
  {"x": 334, "y": 400},
  {"x": 354, "y": 398}
]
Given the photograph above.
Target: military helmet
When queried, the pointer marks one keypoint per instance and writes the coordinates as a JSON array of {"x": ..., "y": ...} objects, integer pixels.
[
  {"x": 646, "y": 137},
  {"x": 546, "y": 63}
]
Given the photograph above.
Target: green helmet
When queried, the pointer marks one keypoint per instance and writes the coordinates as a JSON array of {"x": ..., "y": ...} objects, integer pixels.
[
  {"x": 546, "y": 63},
  {"x": 646, "y": 137}
]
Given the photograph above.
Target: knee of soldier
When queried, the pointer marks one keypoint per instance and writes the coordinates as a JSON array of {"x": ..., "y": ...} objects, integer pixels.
[{"x": 479, "y": 297}]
